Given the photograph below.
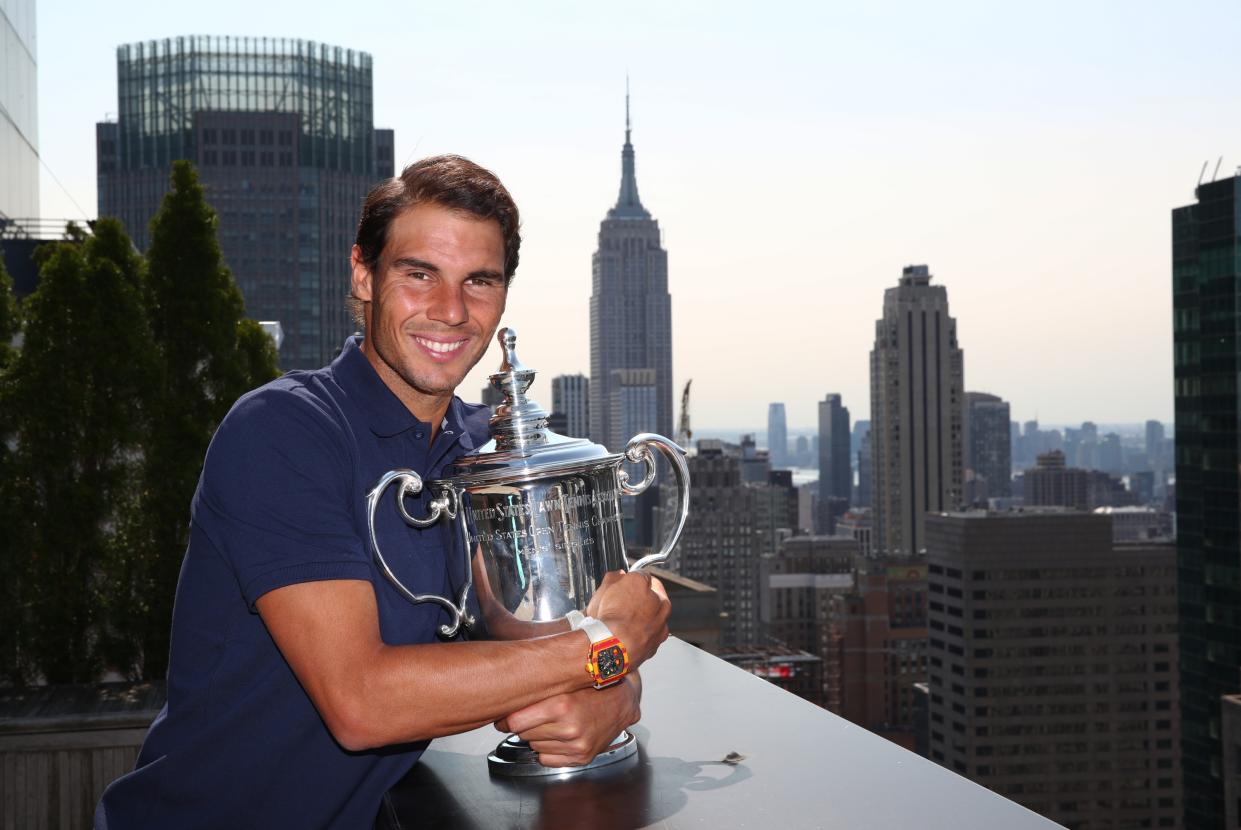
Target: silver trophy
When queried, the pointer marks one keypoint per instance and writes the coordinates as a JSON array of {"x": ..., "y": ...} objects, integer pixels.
[{"x": 540, "y": 515}]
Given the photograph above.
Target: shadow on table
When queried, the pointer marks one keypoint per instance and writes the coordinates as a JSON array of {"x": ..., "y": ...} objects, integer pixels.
[{"x": 456, "y": 791}]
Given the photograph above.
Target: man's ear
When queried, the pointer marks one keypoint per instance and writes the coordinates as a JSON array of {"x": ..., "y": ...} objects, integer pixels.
[{"x": 362, "y": 279}]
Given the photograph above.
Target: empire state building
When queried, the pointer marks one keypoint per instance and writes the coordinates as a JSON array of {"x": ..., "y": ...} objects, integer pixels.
[{"x": 630, "y": 320}]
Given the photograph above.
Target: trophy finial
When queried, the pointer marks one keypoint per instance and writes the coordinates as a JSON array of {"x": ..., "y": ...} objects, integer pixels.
[
  {"x": 518, "y": 422},
  {"x": 507, "y": 337}
]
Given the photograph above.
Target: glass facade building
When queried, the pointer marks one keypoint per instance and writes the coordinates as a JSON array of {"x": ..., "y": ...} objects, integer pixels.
[
  {"x": 19, "y": 111},
  {"x": 282, "y": 133},
  {"x": 1206, "y": 292}
]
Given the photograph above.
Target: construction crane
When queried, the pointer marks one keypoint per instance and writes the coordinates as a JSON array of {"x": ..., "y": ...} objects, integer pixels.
[{"x": 684, "y": 433}]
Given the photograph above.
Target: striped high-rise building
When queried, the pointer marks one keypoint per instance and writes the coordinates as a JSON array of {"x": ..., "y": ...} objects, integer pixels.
[{"x": 917, "y": 392}]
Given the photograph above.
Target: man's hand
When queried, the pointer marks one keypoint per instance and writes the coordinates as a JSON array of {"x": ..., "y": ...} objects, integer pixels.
[
  {"x": 570, "y": 729},
  {"x": 635, "y": 607}
]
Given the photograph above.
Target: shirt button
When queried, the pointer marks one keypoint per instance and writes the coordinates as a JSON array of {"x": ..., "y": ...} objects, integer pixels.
[{"x": 417, "y": 434}]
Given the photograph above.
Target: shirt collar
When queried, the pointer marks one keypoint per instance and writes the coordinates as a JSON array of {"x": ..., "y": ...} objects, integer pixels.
[{"x": 387, "y": 415}]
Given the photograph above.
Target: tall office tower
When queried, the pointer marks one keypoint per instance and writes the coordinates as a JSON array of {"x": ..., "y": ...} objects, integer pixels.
[
  {"x": 916, "y": 409},
  {"x": 860, "y": 431},
  {"x": 731, "y": 525},
  {"x": 777, "y": 436},
  {"x": 1206, "y": 293},
  {"x": 1154, "y": 444},
  {"x": 19, "y": 128},
  {"x": 630, "y": 308},
  {"x": 282, "y": 134},
  {"x": 987, "y": 445},
  {"x": 571, "y": 397},
  {"x": 785, "y": 518},
  {"x": 835, "y": 466},
  {"x": 865, "y": 475},
  {"x": 1053, "y": 665},
  {"x": 798, "y": 582}
]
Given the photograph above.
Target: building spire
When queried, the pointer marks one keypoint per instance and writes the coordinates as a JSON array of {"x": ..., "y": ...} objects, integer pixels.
[
  {"x": 628, "y": 205},
  {"x": 626, "y": 107}
]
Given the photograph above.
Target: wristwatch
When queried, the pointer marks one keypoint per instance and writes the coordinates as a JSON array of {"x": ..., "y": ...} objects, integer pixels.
[{"x": 609, "y": 660}]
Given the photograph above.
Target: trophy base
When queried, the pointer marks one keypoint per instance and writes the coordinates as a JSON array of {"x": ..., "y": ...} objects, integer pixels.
[{"x": 514, "y": 758}]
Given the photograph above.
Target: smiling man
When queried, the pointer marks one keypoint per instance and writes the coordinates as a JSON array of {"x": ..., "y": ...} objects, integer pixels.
[{"x": 301, "y": 685}]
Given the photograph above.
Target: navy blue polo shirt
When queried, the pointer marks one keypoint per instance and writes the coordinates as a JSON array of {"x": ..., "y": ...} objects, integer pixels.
[{"x": 282, "y": 500}]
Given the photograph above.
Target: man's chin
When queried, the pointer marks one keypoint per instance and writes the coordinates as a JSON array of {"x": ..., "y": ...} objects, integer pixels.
[{"x": 436, "y": 385}]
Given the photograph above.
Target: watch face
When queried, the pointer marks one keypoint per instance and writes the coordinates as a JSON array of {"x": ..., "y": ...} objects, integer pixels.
[{"x": 611, "y": 662}]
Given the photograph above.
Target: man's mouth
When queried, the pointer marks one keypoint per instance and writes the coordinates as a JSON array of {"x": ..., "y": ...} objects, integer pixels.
[{"x": 441, "y": 349}]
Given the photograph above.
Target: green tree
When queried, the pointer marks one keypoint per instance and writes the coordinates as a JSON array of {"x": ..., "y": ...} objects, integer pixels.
[
  {"x": 207, "y": 356},
  {"x": 10, "y": 617},
  {"x": 74, "y": 392}
]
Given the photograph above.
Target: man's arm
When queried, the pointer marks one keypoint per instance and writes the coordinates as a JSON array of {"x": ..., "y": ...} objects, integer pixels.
[
  {"x": 570, "y": 729},
  {"x": 371, "y": 694}
]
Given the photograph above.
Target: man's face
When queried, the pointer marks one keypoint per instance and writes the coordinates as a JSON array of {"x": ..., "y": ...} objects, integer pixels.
[{"x": 433, "y": 303}]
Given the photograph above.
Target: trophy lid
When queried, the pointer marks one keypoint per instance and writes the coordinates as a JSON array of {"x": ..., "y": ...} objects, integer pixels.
[{"x": 522, "y": 446}]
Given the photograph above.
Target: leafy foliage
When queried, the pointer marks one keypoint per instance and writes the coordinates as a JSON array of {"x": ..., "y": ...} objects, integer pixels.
[
  {"x": 10, "y": 556},
  {"x": 128, "y": 365},
  {"x": 208, "y": 355},
  {"x": 75, "y": 389}
]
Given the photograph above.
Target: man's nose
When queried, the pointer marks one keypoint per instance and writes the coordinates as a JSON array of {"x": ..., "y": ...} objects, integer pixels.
[{"x": 448, "y": 304}]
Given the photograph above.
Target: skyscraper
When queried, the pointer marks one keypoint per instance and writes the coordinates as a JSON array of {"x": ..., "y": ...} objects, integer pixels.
[
  {"x": 1206, "y": 296},
  {"x": 835, "y": 465},
  {"x": 732, "y": 525},
  {"x": 988, "y": 446},
  {"x": 283, "y": 137},
  {"x": 1053, "y": 665},
  {"x": 916, "y": 405},
  {"x": 1154, "y": 445},
  {"x": 865, "y": 485},
  {"x": 571, "y": 397},
  {"x": 630, "y": 308},
  {"x": 19, "y": 128},
  {"x": 777, "y": 436}
]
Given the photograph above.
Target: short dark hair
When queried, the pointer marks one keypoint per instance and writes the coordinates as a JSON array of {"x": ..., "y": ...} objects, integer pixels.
[{"x": 451, "y": 181}]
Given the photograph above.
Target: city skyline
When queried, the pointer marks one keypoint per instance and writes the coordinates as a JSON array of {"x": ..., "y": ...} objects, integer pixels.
[{"x": 1023, "y": 184}]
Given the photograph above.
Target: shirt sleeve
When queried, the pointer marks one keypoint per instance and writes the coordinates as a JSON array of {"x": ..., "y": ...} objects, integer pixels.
[{"x": 275, "y": 495}]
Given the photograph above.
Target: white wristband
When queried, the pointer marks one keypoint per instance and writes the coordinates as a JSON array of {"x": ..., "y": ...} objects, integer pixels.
[
  {"x": 596, "y": 630},
  {"x": 575, "y": 619}
]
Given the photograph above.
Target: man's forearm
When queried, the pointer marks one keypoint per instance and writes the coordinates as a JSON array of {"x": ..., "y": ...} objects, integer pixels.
[
  {"x": 372, "y": 694},
  {"x": 410, "y": 693}
]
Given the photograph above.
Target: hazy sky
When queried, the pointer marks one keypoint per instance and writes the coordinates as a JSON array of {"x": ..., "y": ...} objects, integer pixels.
[{"x": 796, "y": 157}]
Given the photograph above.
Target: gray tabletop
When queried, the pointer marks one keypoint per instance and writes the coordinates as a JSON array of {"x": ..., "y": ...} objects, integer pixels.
[{"x": 803, "y": 767}]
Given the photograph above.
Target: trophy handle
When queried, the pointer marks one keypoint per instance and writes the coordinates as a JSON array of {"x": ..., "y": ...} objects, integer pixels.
[
  {"x": 443, "y": 505},
  {"x": 639, "y": 450}
]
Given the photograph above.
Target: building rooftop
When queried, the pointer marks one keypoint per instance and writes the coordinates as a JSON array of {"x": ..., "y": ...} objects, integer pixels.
[{"x": 718, "y": 747}]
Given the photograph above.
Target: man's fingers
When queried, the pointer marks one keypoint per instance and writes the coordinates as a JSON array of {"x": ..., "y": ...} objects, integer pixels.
[
  {"x": 549, "y": 760},
  {"x": 556, "y": 731},
  {"x": 658, "y": 587},
  {"x": 536, "y": 714}
]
